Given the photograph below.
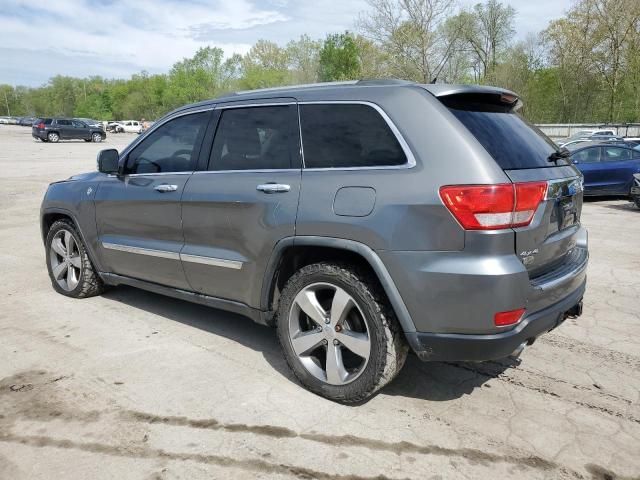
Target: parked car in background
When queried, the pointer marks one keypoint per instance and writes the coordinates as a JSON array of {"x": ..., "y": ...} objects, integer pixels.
[
  {"x": 4, "y": 120},
  {"x": 460, "y": 241},
  {"x": 26, "y": 121},
  {"x": 91, "y": 122},
  {"x": 56, "y": 129},
  {"x": 635, "y": 189},
  {"x": 584, "y": 134},
  {"x": 608, "y": 169},
  {"x": 125, "y": 126},
  {"x": 131, "y": 126}
]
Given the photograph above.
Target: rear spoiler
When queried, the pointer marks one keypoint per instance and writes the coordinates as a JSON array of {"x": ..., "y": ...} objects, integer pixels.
[{"x": 469, "y": 95}]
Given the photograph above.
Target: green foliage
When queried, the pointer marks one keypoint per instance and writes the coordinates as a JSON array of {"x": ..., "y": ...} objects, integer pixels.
[{"x": 339, "y": 58}]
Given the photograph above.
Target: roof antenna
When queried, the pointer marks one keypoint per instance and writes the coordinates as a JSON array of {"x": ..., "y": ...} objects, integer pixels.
[{"x": 432, "y": 82}]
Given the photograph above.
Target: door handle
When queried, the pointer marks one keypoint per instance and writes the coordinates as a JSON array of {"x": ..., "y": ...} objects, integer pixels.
[
  {"x": 163, "y": 188},
  {"x": 273, "y": 188}
]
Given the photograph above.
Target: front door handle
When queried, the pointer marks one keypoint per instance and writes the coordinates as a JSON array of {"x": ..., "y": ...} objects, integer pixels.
[
  {"x": 273, "y": 188},
  {"x": 163, "y": 188}
]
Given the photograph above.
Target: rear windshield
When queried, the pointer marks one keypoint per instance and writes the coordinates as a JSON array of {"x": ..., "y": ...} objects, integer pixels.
[{"x": 513, "y": 142}]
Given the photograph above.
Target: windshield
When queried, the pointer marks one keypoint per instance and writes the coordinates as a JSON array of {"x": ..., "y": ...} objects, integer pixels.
[{"x": 513, "y": 142}]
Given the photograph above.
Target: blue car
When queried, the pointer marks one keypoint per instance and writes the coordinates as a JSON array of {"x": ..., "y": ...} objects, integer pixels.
[{"x": 608, "y": 169}]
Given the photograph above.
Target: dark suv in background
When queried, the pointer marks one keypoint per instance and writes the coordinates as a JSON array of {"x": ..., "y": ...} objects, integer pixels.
[
  {"x": 362, "y": 219},
  {"x": 56, "y": 129}
]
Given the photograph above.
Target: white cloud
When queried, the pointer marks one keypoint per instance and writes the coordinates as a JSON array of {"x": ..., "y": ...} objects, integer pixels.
[{"x": 119, "y": 37}]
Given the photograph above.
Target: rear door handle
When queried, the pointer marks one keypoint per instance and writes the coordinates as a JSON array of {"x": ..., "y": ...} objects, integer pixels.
[
  {"x": 273, "y": 188},
  {"x": 163, "y": 188}
]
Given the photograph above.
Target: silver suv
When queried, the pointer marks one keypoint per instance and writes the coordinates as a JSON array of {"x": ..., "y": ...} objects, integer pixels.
[{"x": 362, "y": 219}]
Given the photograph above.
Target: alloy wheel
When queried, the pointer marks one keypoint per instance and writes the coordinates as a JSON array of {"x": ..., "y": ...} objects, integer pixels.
[
  {"x": 329, "y": 334},
  {"x": 66, "y": 263}
]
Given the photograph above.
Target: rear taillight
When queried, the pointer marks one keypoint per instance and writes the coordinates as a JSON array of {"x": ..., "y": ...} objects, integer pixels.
[
  {"x": 40, "y": 126},
  {"x": 504, "y": 319},
  {"x": 492, "y": 207}
]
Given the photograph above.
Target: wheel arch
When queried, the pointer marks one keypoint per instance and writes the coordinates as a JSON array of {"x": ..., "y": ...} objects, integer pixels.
[
  {"x": 291, "y": 254},
  {"x": 52, "y": 215}
]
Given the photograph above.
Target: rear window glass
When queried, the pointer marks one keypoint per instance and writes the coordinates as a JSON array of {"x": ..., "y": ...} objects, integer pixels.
[
  {"x": 347, "y": 135},
  {"x": 512, "y": 141}
]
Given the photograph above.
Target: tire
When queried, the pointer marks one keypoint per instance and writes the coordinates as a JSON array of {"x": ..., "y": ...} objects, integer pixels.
[
  {"x": 76, "y": 276},
  {"x": 96, "y": 138},
  {"x": 636, "y": 200},
  {"x": 53, "y": 137},
  {"x": 368, "y": 318}
]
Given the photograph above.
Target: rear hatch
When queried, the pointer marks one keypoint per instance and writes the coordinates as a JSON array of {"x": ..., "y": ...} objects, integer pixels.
[{"x": 525, "y": 154}]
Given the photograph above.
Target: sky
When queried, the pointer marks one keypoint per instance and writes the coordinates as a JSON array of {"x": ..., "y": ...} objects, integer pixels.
[{"x": 116, "y": 38}]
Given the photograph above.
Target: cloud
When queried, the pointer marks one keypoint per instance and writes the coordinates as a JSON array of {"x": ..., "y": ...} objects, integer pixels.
[{"x": 116, "y": 38}]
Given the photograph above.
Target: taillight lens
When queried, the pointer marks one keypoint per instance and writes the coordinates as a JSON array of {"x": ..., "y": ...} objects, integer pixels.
[
  {"x": 40, "y": 125},
  {"x": 504, "y": 319},
  {"x": 491, "y": 207}
]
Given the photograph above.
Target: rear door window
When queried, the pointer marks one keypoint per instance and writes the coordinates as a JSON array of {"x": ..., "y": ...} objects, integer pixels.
[
  {"x": 346, "y": 136},
  {"x": 615, "y": 154},
  {"x": 513, "y": 142},
  {"x": 256, "y": 138}
]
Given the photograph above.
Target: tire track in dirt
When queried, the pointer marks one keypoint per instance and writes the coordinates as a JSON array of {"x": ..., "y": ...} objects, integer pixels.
[
  {"x": 592, "y": 399},
  {"x": 601, "y": 353}
]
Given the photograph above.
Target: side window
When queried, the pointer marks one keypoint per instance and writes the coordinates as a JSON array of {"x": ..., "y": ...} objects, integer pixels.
[
  {"x": 588, "y": 155},
  {"x": 614, "y": 154},
  {"x": 79, "y": 124},
  {"x": 63, "y": 122},
  {"x": 347, "y": 135},
  {"x": 256, "y": 138},
  {"x": 173, "y": 147}
]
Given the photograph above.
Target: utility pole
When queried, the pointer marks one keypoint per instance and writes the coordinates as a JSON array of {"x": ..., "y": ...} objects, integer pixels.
[{"x": 6, "y": 101}]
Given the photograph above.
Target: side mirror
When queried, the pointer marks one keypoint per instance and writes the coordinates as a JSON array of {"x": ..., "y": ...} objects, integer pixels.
[{"x": 108, "y": 161}]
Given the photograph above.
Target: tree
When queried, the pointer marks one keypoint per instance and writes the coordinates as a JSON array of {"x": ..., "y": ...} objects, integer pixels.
[
  {"x": 304, "y": 59},
  {"x": 339, "y": 58},
  {"x": 413, "y": 35},
  {"x": 266, "y": 65}
]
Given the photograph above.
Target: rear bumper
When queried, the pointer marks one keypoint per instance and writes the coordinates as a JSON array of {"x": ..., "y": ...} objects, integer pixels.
[{"x": 469, "y": 347}]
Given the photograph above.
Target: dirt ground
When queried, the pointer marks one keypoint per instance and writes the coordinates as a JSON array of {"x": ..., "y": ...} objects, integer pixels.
[{"x": 133, "y": 385}]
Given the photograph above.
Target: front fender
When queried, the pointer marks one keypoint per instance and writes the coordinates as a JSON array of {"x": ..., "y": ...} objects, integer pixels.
[{"x": 74, "y": 199}]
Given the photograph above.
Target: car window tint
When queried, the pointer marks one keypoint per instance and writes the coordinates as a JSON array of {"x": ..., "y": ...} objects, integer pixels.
[
  {"x": 78, "y": 124},
  {"x": 63, "y": 122},
  {"x": 613, "y": 154},
  {"x": 256, "y": 138},
  {"x": 588, "y": 155},
  {"x": 173, "y": 147},
  {"x": 347, "y": 135}
]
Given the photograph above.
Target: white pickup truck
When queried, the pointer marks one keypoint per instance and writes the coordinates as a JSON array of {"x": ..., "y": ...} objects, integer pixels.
[{"x": 127, "y": 126}]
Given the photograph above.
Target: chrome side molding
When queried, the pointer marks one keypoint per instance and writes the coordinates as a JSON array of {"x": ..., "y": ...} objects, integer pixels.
[{"x": 216, "y": 262}]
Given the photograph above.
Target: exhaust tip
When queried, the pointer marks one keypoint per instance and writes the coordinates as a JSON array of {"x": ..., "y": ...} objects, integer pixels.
[{"x": 516, "y": 353}]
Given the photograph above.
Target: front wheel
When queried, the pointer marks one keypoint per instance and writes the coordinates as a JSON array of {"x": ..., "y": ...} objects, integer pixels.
[
  {"x": 70, "y": 269},
  {"x": 96, "y": 138},
  {"x": 338, "y": 333}
]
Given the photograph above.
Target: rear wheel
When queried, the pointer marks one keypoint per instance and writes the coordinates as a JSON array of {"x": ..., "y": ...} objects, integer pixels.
[
  {"x": 53, "y": 137},
  {"x": 338, "y": 334},
  {"x": 68, "y": 264}
]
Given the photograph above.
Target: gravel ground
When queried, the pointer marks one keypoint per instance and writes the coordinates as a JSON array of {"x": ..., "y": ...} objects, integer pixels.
[{"x": 138, "y": 386}]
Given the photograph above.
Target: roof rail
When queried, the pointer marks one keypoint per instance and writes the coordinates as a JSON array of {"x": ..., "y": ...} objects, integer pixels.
[
  {"x": 292, "y": 87},
  {"x": 364, "y": 83}
]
